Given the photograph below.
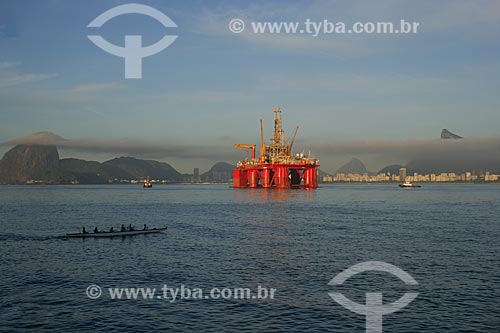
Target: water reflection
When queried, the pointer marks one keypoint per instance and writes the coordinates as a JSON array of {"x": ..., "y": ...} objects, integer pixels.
[{"x": 261, "y": 195}]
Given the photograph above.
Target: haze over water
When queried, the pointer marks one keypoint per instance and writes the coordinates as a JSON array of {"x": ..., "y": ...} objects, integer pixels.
[{"x": 445, "y": 236}]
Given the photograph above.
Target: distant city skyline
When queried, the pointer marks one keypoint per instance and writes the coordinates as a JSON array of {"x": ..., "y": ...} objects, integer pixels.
[
  {"x": 442, "y": 177},
  {"x": 360, "y": 96}
]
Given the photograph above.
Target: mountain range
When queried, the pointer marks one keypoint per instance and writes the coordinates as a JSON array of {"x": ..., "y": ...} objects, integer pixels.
[
  {"x": 436, "y": 161},
  {"x": 353, "y": 166},
  {"x": 424, "y": 165},
  {"x": 27, "y": 162},
  {"x": 219, "y": 172}
]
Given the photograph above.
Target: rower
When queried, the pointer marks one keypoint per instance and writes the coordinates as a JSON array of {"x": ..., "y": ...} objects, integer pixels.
[
  {"x": 145, "y": 227},
  {"x": 130, "y": 228},
  {"x": 111, "y": 229},
  {"x": 96, "y": 231},
  {"x": 123, "y": 228},
  {"x": 84, "y": 231}
]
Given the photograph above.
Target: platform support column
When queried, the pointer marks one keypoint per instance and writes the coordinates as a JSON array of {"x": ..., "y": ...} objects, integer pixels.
[
  {"x": 253, "y": 178},
  {"x": 265, "y": 179}
]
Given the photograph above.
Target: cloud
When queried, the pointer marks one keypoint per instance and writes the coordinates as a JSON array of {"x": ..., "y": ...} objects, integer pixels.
[
  {"x": 8, "y": 64},
  {"x": 381, "y": 84},
  {"x": 18, "y": 79},
  {"x": 471, "y": 15},
  {"x": 410, "y": 148},
  {"x": 10, "y": 76},
  {"x": 214, "y": 22},
  {"x": 205, "y": 96},
  {"x": 127, "y": 147},
  {"x": 96, "y": 87},
  {"x": 475, "y": 18},
  {"x": 480, "y": 153}
]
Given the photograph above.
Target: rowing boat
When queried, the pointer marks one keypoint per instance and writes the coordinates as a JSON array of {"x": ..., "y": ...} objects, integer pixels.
[{"x": 117, "y": 233}]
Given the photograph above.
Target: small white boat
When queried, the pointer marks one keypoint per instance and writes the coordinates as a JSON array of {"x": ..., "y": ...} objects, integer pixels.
[
  {"x": 408, "y": 184},
  {"x": 117, "y": 233}
]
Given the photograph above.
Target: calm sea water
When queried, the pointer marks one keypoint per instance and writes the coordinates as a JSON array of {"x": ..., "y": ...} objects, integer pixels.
[{"x": 446, "y": 236}]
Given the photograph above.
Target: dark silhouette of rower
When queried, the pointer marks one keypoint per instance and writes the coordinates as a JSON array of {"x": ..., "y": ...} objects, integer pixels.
[
  {"x": 96, "y": 231},
  {"x": 130, "y": 228},
  {"x": 123, "y": 228},
  {"x": 84, "y": 231},
  {"x": 145, "y": 227}
]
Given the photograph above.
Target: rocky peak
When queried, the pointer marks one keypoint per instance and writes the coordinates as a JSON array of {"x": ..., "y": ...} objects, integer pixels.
[
  {"x": 28, "y": 161},
  {"x": 445, "y": 134}
]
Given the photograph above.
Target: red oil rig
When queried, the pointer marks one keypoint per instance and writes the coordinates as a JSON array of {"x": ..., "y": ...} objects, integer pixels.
[{"x": 276, "y": 166}]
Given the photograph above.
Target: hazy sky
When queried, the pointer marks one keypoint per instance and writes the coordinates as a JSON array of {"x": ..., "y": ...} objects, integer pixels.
[{"x": 211, "y": 86}]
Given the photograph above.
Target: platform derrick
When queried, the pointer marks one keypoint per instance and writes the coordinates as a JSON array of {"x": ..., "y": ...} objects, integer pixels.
[{"x": 276, "y": 166}]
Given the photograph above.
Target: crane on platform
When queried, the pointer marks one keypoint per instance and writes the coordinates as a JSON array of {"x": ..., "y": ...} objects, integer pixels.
[{"x": 244, "y": 146}]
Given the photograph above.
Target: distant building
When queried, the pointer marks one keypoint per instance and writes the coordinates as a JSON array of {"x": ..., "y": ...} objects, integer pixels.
[
  {"x": 196, "y": 175},
  {"x": 327, "y": 179},
  {"x": 402, "y": 174},
  {"x": 488, "y": 177}
]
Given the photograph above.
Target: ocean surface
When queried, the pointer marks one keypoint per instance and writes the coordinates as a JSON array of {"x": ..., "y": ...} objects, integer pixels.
[{"x": 447, "y": 237}]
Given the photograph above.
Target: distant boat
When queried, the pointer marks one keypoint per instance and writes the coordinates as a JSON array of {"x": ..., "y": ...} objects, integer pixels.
[
  {"x": 408, "y": 184},
  {"x": 147, "y": 183},
  {"x": 116, "y": 233}
]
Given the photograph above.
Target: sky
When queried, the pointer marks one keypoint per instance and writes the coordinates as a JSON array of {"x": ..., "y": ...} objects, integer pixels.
[{"x": 210, "y": 87}]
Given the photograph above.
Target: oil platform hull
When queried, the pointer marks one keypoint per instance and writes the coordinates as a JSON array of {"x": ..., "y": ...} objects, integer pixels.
[
  {"x": 276, "y": 167},
  {"x": 276, "y": 175}
]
